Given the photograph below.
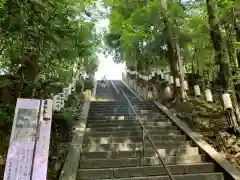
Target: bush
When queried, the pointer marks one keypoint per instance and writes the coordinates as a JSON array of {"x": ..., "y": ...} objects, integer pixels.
[
  {"x": 72, "y": 110},
  {"x": 6, "y": 113},
  {"x": 66, "y": 116}
]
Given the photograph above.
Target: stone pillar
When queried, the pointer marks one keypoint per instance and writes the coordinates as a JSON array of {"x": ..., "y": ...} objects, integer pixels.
[
  {"x": 138, "y": 90},
  {"x": 135, "y": 85},
  {"x": 127, "y": 80},
  {"x": 141, "y": 92},
  {"x": 155, "y": 92},
  {"x": 145, "y": 92},
  {"x": 123, "y": 77},
  {"x": 168, "y": 92},
  {"x": 130, "y": 83},
  {"x": 150, "y": 95}
]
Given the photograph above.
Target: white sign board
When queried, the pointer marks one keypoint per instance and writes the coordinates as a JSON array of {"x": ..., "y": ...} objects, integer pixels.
[
  {"x": 22, "y": 140},
  {"x": 21, "y": 155}
]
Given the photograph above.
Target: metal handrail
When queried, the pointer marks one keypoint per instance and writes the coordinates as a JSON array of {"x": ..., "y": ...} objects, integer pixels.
[
  {"x": 115, "y": 87},
  {"x": 148, "y": 136}
]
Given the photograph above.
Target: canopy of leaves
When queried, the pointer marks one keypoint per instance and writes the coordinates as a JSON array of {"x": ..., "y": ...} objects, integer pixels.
[
  {"x": 40, "y": 41},
  {"x": 138, "y": 34}
]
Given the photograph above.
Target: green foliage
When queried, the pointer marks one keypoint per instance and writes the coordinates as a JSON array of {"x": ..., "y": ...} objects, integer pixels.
[
  {"x": 72, "y": 110},
  {"x": 141, "y": 32},
  {"x": 6, "y": 113},
  {"x": 66, "y": 116},
  {"x": 42, "y": 40}
]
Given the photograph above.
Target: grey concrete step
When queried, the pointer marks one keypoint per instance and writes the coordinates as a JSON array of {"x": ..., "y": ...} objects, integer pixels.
[
  {"x": 118, "y": 109},
  {"x": 144, "y": 171},
  {"x": 158, "y": 115},
  {"x": 136, "y": 128},
  {"x": 127, "y": 120},
  {"x": 122, "y": 113},
  {"x": 199, "y": 176},
  {"x": 128, "y": 124},
  {"x": 122, "y": 105},
  {"x": 108, "y": 117},
  {"x": 111, "y": 117},
  {"x": 99, "y": 103},
  {"x": 134, "y": 146},
  {"x": 130, "y": 117},
  {"x": 149, "y": 152},
  {"x": 127, "y": 133},
  {"x": 132, "y": 139},
  {"x": 110, "y": 113},
  {"x": 148, "y": 116},
  {"x": 113, "y": 106},
  {"x": 132, "y": 162}
]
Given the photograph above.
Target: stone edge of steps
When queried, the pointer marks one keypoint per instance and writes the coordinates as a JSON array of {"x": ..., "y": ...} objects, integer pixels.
[
  {"x": 200, "y": 176},
  {"x": 131, "y": 172},
  {"x": 70, "y": 166}
]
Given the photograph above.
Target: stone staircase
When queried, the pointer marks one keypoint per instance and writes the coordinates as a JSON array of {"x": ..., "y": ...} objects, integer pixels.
[
  {"x": 113, "y": 145},
  {"x": 105, "y": 94}
]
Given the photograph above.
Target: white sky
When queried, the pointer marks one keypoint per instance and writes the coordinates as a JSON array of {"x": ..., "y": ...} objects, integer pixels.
[{"x": 107, "y": 66}]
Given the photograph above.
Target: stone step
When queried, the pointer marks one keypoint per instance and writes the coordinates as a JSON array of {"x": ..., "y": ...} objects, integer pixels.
[
  {"x": 108, "y": 117},
  {"x": 132, "y": 162},
  {"x": 129, "y": 119},
  {"x": 133, "y": 123},
  {"x": 134, "y": 146},
  {"x": 199, "y": 176},
  {"x": 121, "y": 102},
  {"x": 127, "y": 139},
  {"x": 124, "y": 112},
  {"x": 114, "y": 110},
  {"x": 145, "y": 171},
  {"x": 127, "y": 133},
  {"x": 146, "y": 118},
  {"x": 148, "y": 152},
  {"x": 135, "y": 107},
  {"x": 124, "y": 107},
  {"x": 136, "y": 128},
  {"x": 110, "y": 107}
]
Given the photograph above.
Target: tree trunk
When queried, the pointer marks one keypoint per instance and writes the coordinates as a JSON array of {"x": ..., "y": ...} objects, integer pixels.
[
  {"x": 174, "y": 56},
  {"x": 230, "y": 38},
  {"x": 181, "y": 73},
  {"x": 221, "y": 53},
  {"x": 236, "y": 24}
]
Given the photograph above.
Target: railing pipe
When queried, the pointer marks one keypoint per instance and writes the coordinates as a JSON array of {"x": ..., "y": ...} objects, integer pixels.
[{"x": 148, "y": 136}]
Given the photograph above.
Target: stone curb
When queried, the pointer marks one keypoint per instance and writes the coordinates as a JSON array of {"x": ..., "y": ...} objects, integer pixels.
[{"x": 70, "y": 167}]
